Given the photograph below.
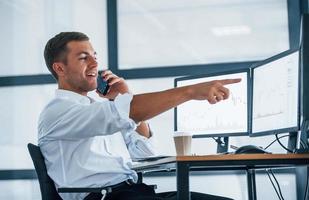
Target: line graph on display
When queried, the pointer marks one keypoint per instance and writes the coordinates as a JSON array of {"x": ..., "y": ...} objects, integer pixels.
[
  {"x": 267, "y": 103},
  {"x": 273, "y": 99},
  {"x": 214, "y": 125},
  {"x": 227, "y": 115},
  {"x": 237, "y": 100}
]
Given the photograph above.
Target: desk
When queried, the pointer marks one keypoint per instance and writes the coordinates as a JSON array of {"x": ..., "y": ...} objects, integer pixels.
[{"x": 248, "y": 162}]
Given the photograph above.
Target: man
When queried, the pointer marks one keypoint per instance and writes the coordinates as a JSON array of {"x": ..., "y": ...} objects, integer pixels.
[{"x": 89, "y": 144}]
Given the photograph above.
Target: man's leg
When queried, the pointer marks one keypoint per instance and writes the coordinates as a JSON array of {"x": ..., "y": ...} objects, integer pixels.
[
  {"x": 144, "y": 192},
  {"x": 130, "y": 192},
  {"x": 134, "y": 192},
  {"x": 194, "y": 196}
]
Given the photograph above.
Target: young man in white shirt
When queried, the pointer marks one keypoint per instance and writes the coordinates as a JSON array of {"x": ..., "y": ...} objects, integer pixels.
[{"x": 89, "y": 144}]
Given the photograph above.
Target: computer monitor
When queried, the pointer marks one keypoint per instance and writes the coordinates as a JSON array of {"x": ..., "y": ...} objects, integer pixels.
[
  {"x": 225, "y": 118},
  {"x": 275, "y": 94}
]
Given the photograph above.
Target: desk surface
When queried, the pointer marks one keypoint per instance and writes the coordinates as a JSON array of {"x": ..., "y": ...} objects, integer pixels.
[
  {"x": 249, "y": 162},
  {"x": 228, "y": 161}
]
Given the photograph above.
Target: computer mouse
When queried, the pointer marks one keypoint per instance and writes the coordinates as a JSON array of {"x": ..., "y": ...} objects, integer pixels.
[{"x": 250, "y": 149}]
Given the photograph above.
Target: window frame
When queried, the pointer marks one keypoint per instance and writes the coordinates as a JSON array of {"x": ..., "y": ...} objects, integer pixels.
[{"x": 183, "y": 70}]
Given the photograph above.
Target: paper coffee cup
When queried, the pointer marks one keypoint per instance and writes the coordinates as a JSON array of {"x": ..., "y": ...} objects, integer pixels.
[{"x": 183, "y": 142}]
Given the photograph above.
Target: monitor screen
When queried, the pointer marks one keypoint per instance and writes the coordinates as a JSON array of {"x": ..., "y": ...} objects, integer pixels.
[
  {"x": 275, "y": 94},
  {"x": 225, "y": 118}
]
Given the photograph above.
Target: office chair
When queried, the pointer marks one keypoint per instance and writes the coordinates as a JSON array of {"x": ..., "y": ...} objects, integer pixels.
[{"x": 47, "y": 186}]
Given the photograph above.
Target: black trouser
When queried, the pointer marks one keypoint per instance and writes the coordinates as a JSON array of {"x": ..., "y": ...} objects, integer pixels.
[{"x": 145, "y": 192}]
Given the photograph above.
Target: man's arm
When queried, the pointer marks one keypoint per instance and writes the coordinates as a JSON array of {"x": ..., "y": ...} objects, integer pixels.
[
  {"x": 146, "y": 106},
  {"x": 143, "y": 129},
  {"x": 138, "y": 142}
]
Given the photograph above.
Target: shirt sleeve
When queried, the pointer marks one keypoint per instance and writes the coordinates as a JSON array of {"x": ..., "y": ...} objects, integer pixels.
[
  {"x": 64, "y": 119},
  {"x": 138, "y": 145}
]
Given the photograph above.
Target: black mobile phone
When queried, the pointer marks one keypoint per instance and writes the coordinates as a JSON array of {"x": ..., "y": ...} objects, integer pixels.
[{"x": 102, "y": 85}]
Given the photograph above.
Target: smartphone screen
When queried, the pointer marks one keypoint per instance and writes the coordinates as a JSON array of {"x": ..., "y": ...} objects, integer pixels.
[{"x": 102, "y": 85}]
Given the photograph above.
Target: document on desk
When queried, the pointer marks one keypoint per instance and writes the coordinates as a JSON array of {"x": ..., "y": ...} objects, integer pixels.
[{"x": 148, "y": 159}]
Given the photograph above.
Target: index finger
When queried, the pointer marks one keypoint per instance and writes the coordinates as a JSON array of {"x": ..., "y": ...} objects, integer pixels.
[{"x": 230, "y": 81}]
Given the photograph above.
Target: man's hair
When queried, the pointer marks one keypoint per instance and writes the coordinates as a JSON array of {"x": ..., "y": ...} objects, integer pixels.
[{"x": 56, "y": 48}]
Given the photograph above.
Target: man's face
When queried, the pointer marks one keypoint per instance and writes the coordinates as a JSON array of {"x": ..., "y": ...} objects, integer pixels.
[{"x": 81, "y": 68}]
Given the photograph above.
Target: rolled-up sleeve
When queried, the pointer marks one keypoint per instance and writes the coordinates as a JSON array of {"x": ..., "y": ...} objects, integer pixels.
[{"x": 138, "y": 145}]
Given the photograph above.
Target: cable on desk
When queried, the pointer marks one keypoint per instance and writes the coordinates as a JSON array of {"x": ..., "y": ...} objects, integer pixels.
[
  {"x": 304, "y": 129},
  {"x": 275, "y": 140},
  {"x": 217, "y": 140},
  {"x": 289, "y": 150},
  {"x": 302, "y": 143},
  {"x": 279, "y": 196}
]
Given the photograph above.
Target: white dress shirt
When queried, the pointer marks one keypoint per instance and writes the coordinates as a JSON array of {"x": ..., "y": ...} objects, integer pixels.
[{"x": 89, "y": 144}]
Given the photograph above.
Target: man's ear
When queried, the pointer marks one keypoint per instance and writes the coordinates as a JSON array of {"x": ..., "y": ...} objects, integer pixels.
[{"x": 58, "y": 68}]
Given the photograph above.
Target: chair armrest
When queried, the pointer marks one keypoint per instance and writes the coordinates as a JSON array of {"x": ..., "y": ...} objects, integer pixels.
[
  {"x": 80, "y": 190},
  {"x": 88, "y": 190}
]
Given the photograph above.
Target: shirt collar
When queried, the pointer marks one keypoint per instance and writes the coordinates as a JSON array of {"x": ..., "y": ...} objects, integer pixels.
[{"x": 73, "y": 96}]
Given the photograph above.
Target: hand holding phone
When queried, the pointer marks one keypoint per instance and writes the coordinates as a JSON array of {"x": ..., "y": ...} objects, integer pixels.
[
  {"x": 102, "y": 85},
  {"x": 109, "y": 85}
]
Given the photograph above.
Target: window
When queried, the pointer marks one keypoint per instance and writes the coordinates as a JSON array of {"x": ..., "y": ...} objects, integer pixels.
[
  {"x": 180, "y": 33},
  {"x": 27, "y": 26}
]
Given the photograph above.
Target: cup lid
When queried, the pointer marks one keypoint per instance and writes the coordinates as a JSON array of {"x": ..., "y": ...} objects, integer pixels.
[{"x": 182, "y": 133}]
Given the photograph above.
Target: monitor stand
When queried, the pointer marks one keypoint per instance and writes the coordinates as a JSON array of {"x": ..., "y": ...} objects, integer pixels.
[
  {"x": 222, "y": 144},
  {"x": 298, "y": 141},
  {"x": 304, "y": 137},
  {"x": 293, "y": 143}
]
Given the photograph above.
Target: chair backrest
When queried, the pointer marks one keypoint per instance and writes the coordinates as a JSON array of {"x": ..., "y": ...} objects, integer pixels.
[{"x": 48, "y": 189}]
